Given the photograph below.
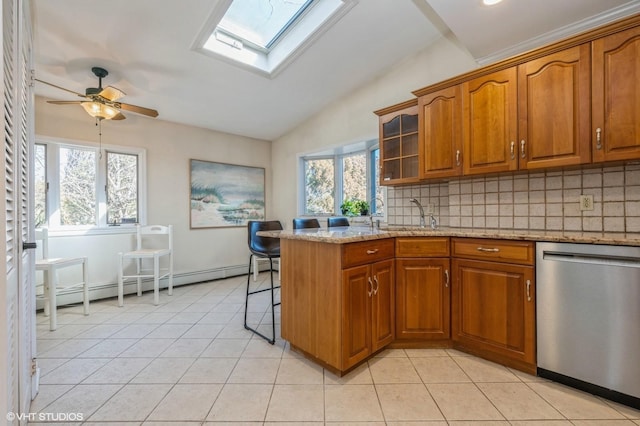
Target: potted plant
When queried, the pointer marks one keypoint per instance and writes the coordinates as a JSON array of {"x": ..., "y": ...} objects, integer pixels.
[
  {"x": 349, "y": 208},
  {"x": 363, "y": 207}
]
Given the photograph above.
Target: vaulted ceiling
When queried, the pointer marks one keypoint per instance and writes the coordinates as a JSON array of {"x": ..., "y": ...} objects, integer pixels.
[{"x": 148, "y": 48}]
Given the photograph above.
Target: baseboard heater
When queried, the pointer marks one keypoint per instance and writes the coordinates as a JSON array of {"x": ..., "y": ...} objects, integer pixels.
[{"x": 108, "y": 290}]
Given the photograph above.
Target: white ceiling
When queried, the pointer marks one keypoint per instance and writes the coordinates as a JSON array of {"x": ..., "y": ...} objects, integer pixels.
[{"x": 147, "y": 47}]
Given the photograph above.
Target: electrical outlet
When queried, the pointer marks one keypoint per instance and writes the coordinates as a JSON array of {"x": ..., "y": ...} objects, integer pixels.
[
  {"x": 431, "y": 208},
  {"x": 586, "y": 202}
]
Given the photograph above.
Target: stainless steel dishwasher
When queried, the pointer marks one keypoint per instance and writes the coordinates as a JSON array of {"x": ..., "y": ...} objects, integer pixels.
[{"x": 588, "y": 318}]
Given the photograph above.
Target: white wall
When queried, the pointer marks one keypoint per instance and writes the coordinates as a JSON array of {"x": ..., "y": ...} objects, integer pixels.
[
  {"x": 351, "y": 119},
  {"x": 169, "y": 148}
]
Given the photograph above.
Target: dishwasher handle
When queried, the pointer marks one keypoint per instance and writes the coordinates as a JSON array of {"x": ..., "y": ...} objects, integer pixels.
[{"x": 594, "y": 259}]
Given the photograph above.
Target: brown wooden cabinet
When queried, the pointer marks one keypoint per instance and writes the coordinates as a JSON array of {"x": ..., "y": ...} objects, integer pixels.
[
  {"x": 554, "y": 103},
  {"x": 493, "y": 300},
  {"x": 368, "y": 298},
  {"x": 399, "y": 152},
  {"x": 440, "y": 125},
  {"x": 338, "y": 300},
  {"x": 489, "y": 124},
  {"x": 422, "y": 288},
  {"x": 616, "y": 97}
]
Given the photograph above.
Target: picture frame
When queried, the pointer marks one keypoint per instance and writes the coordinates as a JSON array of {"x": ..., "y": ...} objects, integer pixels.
[{"x": 225, "y": 195}]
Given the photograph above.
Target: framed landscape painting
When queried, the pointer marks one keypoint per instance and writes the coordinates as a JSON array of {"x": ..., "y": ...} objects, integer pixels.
[{"x": 225, "y": 195}]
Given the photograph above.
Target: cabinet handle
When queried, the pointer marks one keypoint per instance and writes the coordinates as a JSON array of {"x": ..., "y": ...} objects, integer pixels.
[
  {"x": 599, "y": 138},
  {"x": 372, "y": 251},
  {"x": 370, "y": 287},
  {"x": 528, "y": 290},
  {"x": 375, "y": 290},
  {"x": 513, "y": 150},
  {"x": 457, "y": 157},
  {"x": 489, "y": 250},
  {"x": 446, "y": 278},
  {"x": 523, "y": 153}
]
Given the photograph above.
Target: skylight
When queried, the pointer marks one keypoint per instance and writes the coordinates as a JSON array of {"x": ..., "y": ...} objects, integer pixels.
[
  {"x": 261, "y": 22},
  {"x": 266, "y": 35}
]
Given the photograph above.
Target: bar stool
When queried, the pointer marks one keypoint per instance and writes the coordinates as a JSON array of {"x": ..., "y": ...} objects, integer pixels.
[
  {"x": 265, "y": 248},
  {"x": 302, "y": 223},
  {"x": 337, "y": 221}
]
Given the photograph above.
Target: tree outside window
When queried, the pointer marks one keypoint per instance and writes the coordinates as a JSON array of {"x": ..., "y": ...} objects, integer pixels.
[
  {"x": 319, "y": 186},
  {"x": 77, "y": 186},
  {"x": 122, "y": 188}
]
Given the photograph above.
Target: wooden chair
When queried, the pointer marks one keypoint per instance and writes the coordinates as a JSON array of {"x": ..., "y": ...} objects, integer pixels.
[
  {"x": 142, "y": 253},
  {"x": 51, "y": 283}
]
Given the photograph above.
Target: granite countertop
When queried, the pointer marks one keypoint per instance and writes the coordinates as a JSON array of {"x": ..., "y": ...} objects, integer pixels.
[{"x": 350, "y": 234}]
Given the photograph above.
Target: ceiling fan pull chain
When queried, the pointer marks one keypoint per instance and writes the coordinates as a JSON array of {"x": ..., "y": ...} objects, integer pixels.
[{"x": 99, "y": 124}]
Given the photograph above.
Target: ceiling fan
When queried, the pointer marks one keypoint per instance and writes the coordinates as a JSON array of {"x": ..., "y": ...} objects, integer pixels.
[{"x": 102, "y": 103}]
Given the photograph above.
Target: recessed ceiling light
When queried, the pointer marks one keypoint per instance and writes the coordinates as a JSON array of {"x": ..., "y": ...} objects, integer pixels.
[{"x": 490, "y": 2}]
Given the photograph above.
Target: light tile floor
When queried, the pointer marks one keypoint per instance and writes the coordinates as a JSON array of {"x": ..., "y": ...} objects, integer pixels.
[{"x": 189, "y": 361}]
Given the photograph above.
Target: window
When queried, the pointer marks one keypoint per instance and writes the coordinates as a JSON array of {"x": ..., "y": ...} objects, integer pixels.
[
  {"x": 80, "y": 187},
  {"x": 261, "y": 22},
  {"x": 262, "y": 35},
  {"x": 319, "y": 184},
  {"x": 122, "y": 188},
  {"x": 353, "y": 173}
]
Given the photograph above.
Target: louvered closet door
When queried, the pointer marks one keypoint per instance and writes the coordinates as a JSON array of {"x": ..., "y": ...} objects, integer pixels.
[
  {"x": 17, "y": 329},
  {"x": 26, "y": 273},
  {"x": 9, "y": 370}
]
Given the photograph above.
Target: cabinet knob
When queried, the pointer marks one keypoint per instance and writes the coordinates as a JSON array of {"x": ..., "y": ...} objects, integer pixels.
[
  {"x": 446, "y": 278},
  {"x": 599, "y": 138},
  {"x": 528, "y": 290},
  {"x": 370, "y": 292},
  {"x": 372, "y": 251},
  {"x": 457, "y": 157},
  {"x": 523, "y": 152},
  {"x": 375, "y": 290},
  {"x": 513, "y": 150}
]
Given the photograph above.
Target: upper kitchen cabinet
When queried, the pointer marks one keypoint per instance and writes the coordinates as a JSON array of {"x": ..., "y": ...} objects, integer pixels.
[
  {"x": 554, "y": 110},
  {"x": 616, "y": 96},
  {"x": 440, "y": 133},
  {"x": 399, "y": 143},
  {"x": 489, "y": 123}
]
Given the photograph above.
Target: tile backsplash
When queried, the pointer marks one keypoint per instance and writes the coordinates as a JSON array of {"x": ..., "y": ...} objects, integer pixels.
[{"x": 547, "y": 200}]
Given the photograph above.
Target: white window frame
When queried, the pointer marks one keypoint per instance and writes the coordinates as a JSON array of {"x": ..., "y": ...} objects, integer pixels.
[
  {"x": 52, "y": 168},
  {"x": 338, "y": 154}
]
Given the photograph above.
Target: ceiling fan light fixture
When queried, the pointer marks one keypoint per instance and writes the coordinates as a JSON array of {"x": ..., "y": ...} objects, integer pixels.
[{"x": 98, "y": 110}]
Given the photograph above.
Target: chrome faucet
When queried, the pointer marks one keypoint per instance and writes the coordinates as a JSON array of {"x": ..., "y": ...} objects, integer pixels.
[
  {"x": 417, "y": 203},
  {"x": 432, "y": 220},
  {"x": 374, "y": 203}
]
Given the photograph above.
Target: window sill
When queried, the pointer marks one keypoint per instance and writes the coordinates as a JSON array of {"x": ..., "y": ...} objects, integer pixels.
[{"x": 104, "y": 230}]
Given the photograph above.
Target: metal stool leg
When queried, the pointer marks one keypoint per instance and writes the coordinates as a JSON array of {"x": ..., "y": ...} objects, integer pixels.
[{"x": 271, "y": 340}]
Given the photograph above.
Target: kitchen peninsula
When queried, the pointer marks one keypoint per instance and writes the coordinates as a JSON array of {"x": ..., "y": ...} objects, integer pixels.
[{"x": 348, "y": 292}]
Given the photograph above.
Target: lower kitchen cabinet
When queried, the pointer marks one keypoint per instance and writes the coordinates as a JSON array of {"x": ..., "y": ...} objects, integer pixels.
[
  {"x": 422, "y": 299},
  {"x": 422, "y": 289},
  {"x": 338, "y": 300},
  {"x": 368, "y": 297},
  {"x": 493, "y": 304}
]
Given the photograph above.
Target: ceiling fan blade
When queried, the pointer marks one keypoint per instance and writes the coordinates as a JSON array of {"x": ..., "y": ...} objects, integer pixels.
[
  {"x": 65, "y": 102},
  {"x": 119, "y": 116},
  {"x": 61, "y": 88},
  {"x": 111, "y": 93},
  {"x": 137, "y": 109}
]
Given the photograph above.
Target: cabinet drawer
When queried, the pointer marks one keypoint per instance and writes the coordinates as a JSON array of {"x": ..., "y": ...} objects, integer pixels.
[
  {"x": 521, "y": 252},
  {"x": 422, "y": 247},
  {"x": 367, "y": 252}
]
